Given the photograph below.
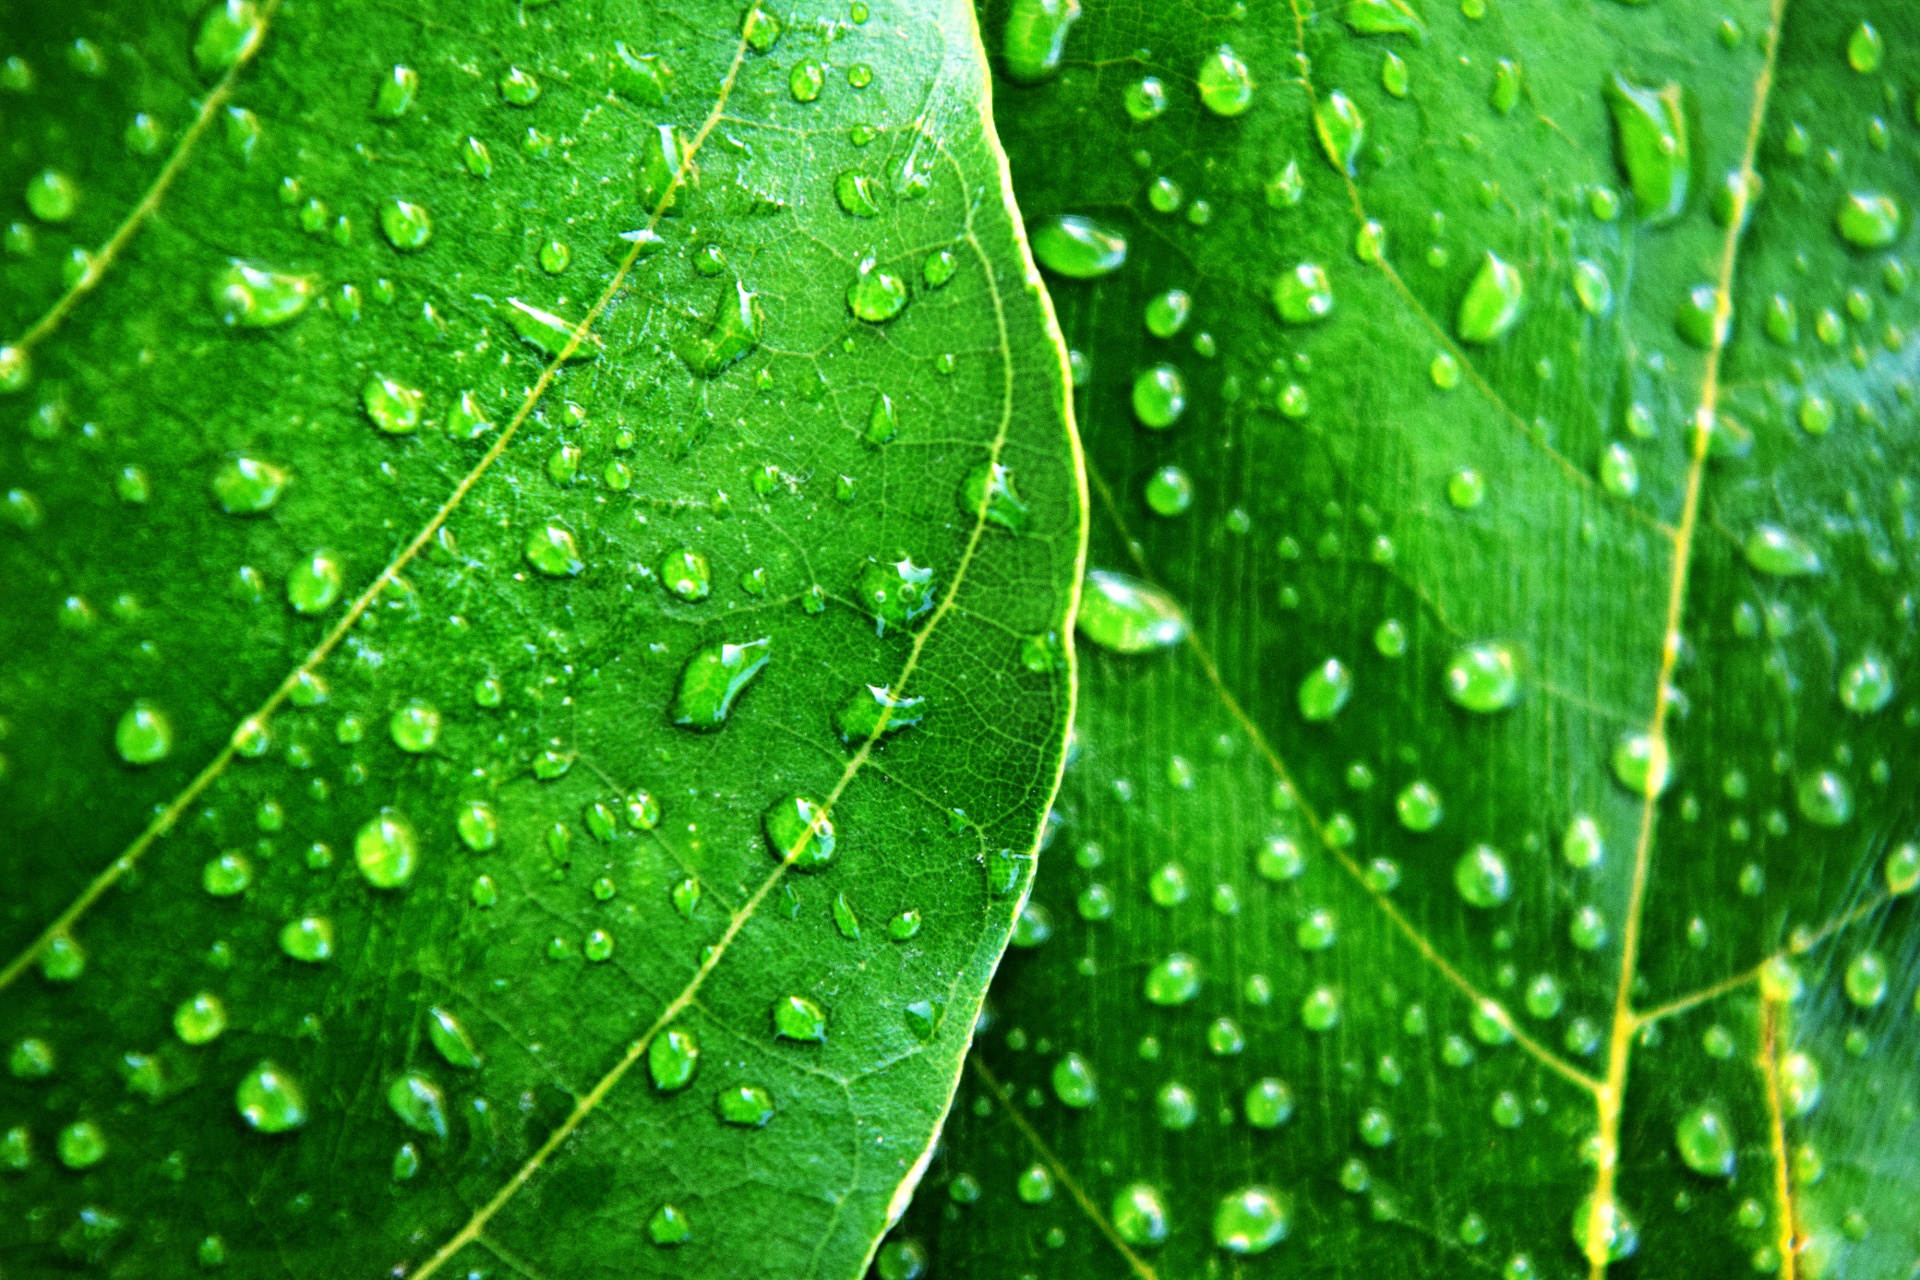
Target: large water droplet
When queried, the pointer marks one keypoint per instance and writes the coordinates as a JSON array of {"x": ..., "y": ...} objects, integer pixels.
[
  {"x": 858, "y": 719},
  {"x": 798, "y": 1018},
  {"x": 734, "y": 333},
  {"x": 144, "y": 734},
  {"x": 1868, "y": 219},
  {"x": 1226, "y": 85},
  {"x": 1174, "y": 980},
  {"x": 672, "y": 1059},
  {"x": 1341, "y": 129},
  {"x": 1035, "y": 37},
  {"x": 1304, "y": 295},
  {"x": 713, "y": 678},
  {"x": 229, "y": 32},
  {"x": 258, "y": 298},
  {"x": 1481, "y": 877},
  {"x": 1650, "y": 133},
  {"x": 988, "y": 492},
  {"x": 551, "y": 549},
  {"x": 894, "y": 592},
  {"x": 876, "y": 296},
  {"x": 1139, "y": 1215},
  {"x": 1866, "y": 685},
  {"x": 1074, "y": 1082},
  {"x": 799, "y": 832},
  {"x": 747, "y": 1105},
  {"x": 1480, "y": 677},
  {"x": 1250, "y": 1220},
  {"x": 1078, "y": 248},
  {"x": 1159, "y": 396},
  {"x": 1127, "y": 615},
  {"x": 386, "y": 850},
  {"x": 392, "y": 405}
]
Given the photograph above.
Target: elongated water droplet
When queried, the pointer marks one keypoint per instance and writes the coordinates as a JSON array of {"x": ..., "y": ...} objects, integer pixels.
[
  {"x": 1868, "y": 220},
  {"x": 1383, "y": 18},
  {"x": 419, "y": 1104},
  {"x": 552, "y": 334},
  {"x": 713, "y": 677},
  {"x": 1036, "y": 36},
  {"x": 1325, "y": 690},
  {"x": 1650, "y": 135},
  {"x": 1078, "y": 248},
  {"x": 452, "y": 1040},
  {"x": 746, "y": 1105},
  {"x": 1778, "y": 553},
  {"x": 859, "y": 717},
  {"x": 254, "y": 297},
  {"x": 1341, "y": 130},
  {"x": 1127, "y": 615},
  {"x": 1493, "y": 302}
]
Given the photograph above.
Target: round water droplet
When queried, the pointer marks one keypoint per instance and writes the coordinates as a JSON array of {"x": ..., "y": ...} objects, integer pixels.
[
  {"x": 1418, "y": 806},
  {"x": 552, "y": 550},
  {"x": 1250, "y": 1220},
  {"x": 672, "y": 1059},
  {"x": 1640, "y": 763},
  {"x": 1480, "y": 677},
  {"x": 1035, "y": 37},
  {"x": 1582, "y": 845},
  {"x": 386, "y": 850},
  {"x": 1481, "y": 877},
  {"x": 799, "y": 832},
  {"x": 1824, "y": 798},
  {"x": 1902, "y": 869},
  {"x": 227, "y": 875},
  {"x": 309, "y": 939},
  {"x": 200, "y": 1019},
  {"x": 1609, "y": 1227},
  {"x": 144, "y": 735},
  {"x": 798, "y": 1018},
  {"x": 394, "y": 407},
  {"x": 1226, "y": 85},
  {"x": 1169, "y": 491},
  {"x": 1139, "y": 1215},
  {"x": 415, "y": 727},
  {"x": 270, "y": 1100},
  {"x": 1866, "y": 685},
  {"x": 52, "y": 196},
  {"x": 746, "y": 1105},
  {"x": 1799, "y": 1083},
  {"x": 1304, "y": 295},
  {"x": 1867, "y": 979},
  {"x": 1174, "y": 980},
  {"x": 1159, "y": 396},
  {"x": 1268, "y": 1103},
  {"x": 247, "y": 486},
  {"x": 406, "y": 225},
  {"x": 1074, "y": 1082},
  {"x": 1706, "y": 1142},
  {"x": 1146, "y": 99}
]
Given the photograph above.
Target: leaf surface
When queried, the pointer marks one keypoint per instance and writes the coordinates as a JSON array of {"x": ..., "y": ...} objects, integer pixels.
[
  {"x": 487, "y": 521},
  {"x": 1464, "y": 415}
]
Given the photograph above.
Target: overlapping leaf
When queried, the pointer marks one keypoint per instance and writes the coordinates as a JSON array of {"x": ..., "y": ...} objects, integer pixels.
[
  {"x": 1482, "y": 396},
  {"x": 485, "y": 491}
]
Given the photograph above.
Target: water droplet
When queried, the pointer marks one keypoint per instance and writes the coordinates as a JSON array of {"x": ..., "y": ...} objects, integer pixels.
[
  {"x": 1868, "y": 220},
  {"x": 1169, "y": 491},
  {"x": 1250, "y": 1220},
  {"x": 747, "y": 1105},
  {"x": 1167, "y": 313},
  {"x": 1778, "y": 553},
  {"x": 1286, "y": 188},
  {"x": 1382, "y": 18},
  {"x": 1610, "y": 1226},
  {"x": 799, "y": 833},
  {"x": 1506, "y": 86},
  {"x": 452, "y": 1040},
  {"x": 1650, "y": 132},
  {"x": 1641, "y": 764},
  {"x": 672, "y": 1059},
  {"x": 144, "y": 735},
  {"x": 1279, "y": 859},
  {"x": 1393, "y": 74},
  {"x": 1320, "y": 1011},
  {"x": 1146, "y": 99},
  {"x": 270, "y": 1100},
  {"x": 859, "y": 718},
  {"x": 1824, "y": 798},
  {"x": 81, "y": 1145},
  {"x": 1035, "y": 37},
  {"x": 1159, "y": 396},
  {"x": 227, "y": 875},
  {"x": 552, "y": 550},
  {"x": 1619, "y": 471},
  {"x": 309, "y": 939},
  {"x": 988, "y": 492},
  {"x": 386, "y": 850},
  {"x": 798, "y": 1018},
  {"x": 713, "y": 678},
  {"x": 1481, "y": 877},
  {"x": 200, "y": 1018},
  {"x": 856, "y": 193},
  {"x": 1799, "y": 1083},
  {"x": 1139, "y": 1215},
  {"x": 1174, "y": 980},
  {"x": 1325, "y": 690},
  {"x": 1480, "y": 677},
  {"x": 393, "y": 407},
  {"x": 551, "y": 333},
  {"x": 1226, "y": 85},
  {"x": 1341, "y": 129},
  {"x": 1078, "y": 248},
  {"x": 229, "y": 32},
  {"x": 669, "y": 1226},
  {"x": 419, "y": 1104},
  {"x": 1592, "y": 288},
  {"x": 894, "y": 592},
  {"x": 1034, "y": 1185},
  {"x": 415, "y": 727},
  {"x": 1902, "y": 870},
  {"x": 1127, "y": 615},
  {"x": 1867, "y": 979},
  {"x": 254, "y": 297},
  {"x": 1418, "y": 806},
  {"x": 518, "y": 87},
  {"x": 1703, "y": 318},
  {"x": 1074, "y": 1082},
  {"x": 407, "y": 226},
  {"x": 1304, "y": 295},
  {"x": 735, "y": 331},
  {"x": 1493, "y": 302},
  {"x": 1588, "y": 929},
  {"x": 1582, "y": 846},
  {"x": 1865, "y": 49},
  {"x": 644, "y": 78}
]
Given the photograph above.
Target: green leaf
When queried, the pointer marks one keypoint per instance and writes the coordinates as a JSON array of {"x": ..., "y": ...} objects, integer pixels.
[
  {"x": 437, "y": 548},
  {"x": 1416, "y": 891}
]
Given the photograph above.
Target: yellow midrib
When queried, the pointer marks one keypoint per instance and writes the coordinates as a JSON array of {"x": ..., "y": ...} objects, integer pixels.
[{"x": 1626, "y": 1022}]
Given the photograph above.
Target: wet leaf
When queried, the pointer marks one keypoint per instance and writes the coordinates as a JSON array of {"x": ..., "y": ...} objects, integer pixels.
[
  {"x": 1406, "y": 890},
  {"x": 393, "y": 417}
]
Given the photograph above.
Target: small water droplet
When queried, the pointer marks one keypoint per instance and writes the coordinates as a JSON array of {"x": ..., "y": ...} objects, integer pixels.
[{"x": 270, "y": 1100}]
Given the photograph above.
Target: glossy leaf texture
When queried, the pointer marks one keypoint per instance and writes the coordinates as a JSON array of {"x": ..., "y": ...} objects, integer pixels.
[
  {"x": 443, "y": 532},
  {"x": 1424, "y": 892}
]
